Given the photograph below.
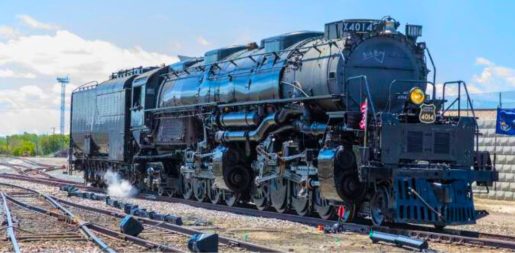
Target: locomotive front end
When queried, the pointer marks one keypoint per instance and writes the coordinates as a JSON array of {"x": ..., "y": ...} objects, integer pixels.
[{"x": 431, "y": 159}]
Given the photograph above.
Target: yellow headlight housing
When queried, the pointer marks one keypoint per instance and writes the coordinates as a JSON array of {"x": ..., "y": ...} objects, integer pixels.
[{"x": 417, "y": 96}]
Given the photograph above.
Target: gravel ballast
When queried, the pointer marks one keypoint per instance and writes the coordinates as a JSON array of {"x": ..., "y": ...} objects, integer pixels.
[{"x": 291, "y": 236}]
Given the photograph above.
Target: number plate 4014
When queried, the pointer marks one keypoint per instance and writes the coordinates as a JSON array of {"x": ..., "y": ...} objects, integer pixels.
[
  {"x": 359, "y": 27},
  {"x": 427, "y": 113}
]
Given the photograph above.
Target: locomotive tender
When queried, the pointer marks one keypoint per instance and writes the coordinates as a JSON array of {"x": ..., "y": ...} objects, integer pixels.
[{"x": 304, "y": 121}]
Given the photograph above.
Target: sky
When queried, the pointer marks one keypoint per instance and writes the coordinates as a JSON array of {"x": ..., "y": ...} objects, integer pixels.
[{"x": 87, "y": 40}]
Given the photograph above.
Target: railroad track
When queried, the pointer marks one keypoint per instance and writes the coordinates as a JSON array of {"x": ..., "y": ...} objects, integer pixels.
[
  {"x": 156, "y": 235},
  {"x": 24, "y": 170},
  {"x": 58, "y": 232},
  {"x": 28, "y": 170},
  {"x": 447, "y": 236},
  {"x": 36, "y": 164}
]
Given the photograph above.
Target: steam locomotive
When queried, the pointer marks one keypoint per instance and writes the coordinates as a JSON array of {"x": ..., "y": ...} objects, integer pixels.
[{"x": 304, "y": 122}]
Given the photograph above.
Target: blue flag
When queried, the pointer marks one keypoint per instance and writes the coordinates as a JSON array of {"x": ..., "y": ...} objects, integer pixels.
[{"x": 505, "y": 121}]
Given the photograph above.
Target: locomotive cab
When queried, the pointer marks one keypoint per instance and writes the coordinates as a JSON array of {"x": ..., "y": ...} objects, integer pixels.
[{"x": 144, "y": 95}]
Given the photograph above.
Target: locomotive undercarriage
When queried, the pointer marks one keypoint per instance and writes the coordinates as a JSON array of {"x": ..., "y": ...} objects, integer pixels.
[
  {"x": 95, "y": 170},
  {"x": 277, "y": 170},
  {"x": 298, "y": 167}
]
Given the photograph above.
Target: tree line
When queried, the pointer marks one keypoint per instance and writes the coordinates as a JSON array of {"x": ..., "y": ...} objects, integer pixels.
[{"x": 32, "y": 144}]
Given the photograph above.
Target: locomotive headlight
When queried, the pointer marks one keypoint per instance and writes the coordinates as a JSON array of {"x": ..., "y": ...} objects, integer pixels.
[{"x": 417, "y": 96}]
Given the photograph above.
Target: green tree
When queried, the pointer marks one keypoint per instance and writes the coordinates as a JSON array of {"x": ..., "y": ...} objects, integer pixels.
[
  {"x": 53, "y": 143},
  {"x": 24, "y": 148},
  {"x": 32, "y": 144}
]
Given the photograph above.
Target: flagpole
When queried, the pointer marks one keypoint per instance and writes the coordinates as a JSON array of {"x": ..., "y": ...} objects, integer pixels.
[{"x": 499, "y": 106}]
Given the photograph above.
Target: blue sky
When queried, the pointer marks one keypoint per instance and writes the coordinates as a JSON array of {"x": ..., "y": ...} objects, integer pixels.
[{"x": 470, "y": 40}]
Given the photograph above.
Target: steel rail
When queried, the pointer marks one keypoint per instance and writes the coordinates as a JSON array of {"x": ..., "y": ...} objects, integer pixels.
[
  {"x": 12, "y": 166},
  {"x": 50, "y": 182},
  {"x": 24, "y": 170},
  {"x": 10, "y": 227},
  {"x": 30, "y": 165},
  {"x": 167, "y": 226},
  {"x": 449, "y": 236},
  {"x": 42, "y": 165},
  {"x": 100, "y": 229},
  {"x": 69, "y": 217},
  {"x": 173, "y": 227},
  {"x": 82, "y": 225},
  {"x": 46, "y": 167},
  {"x": 133, "y": 239}
]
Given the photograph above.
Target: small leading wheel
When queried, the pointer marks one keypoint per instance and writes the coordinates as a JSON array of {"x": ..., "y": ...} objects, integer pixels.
[
  {"x": 279, "y": 194},
  {"x": 231, "y": 198},
  {"x": 379, "y": 205},
  {"x": 300, "y": 203},
  {"x": 260, "y": 196},
  {"x": 187, "y": 188},
  {"x": 324, "y": 209},
  {"x": 199, "y": 189}
]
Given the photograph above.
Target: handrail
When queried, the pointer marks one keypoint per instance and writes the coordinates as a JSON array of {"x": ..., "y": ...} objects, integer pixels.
[
  {"x": 469, "y": 101},
  {"x": 10, "y": 227},
  {"x": 433, "y": 65},
  {"x": 246, "y": 103},
  {"x": 458, "y": 98},
  {"x": 367, "y": 89},
  {"x": 449, "y": 107},
  {"x": 408, "y": 81},
  {"x": 84, "y": 87},
  {"x": 299, "y": 88}
]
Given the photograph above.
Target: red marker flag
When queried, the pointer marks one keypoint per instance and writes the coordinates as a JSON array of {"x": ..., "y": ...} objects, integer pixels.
[
  {"x": 364, "y": 112},
  {"x": 341, "y": 211}
]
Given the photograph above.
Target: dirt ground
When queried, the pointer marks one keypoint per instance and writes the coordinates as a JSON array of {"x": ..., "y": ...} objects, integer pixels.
[{"x": 294, "y": 237}]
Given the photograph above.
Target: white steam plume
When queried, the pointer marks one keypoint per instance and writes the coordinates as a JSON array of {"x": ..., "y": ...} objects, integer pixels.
[{"x": 118, "y": 187}]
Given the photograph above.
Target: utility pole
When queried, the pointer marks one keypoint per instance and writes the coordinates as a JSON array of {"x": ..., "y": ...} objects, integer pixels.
[
  {"x": 63, "y": 81},
  {"x": 37, "y": 145}
]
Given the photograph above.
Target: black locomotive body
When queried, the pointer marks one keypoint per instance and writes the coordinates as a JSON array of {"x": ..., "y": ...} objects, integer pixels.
[{"x": 307, "y": 121}]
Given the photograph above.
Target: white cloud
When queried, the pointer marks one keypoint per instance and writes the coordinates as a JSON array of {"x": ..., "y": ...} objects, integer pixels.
[
  {"x": 33, "y": 23},
  {"x": 8, "y": 73},
  {"x": 203, "y": 41},
  {"x": 33, "y": 62},
  {"x": 8, "y": 32},
  {"x": 493, "y": 77},
  {"x": 25, "y": 97},
  {"x": 32, "y": 120},
  {"x": 32, "y": 108},
  {"x": 67, "y": 53},
  {"x": 451, "y": 90},
  {"x": 483, "y": 61}
]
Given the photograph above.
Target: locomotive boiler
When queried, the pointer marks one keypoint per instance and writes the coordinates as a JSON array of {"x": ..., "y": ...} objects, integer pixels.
[{"x": 304, "y": 121}]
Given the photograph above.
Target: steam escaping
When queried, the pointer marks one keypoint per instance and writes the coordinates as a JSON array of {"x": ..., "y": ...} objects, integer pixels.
[{"x": 118, "y": 187}]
